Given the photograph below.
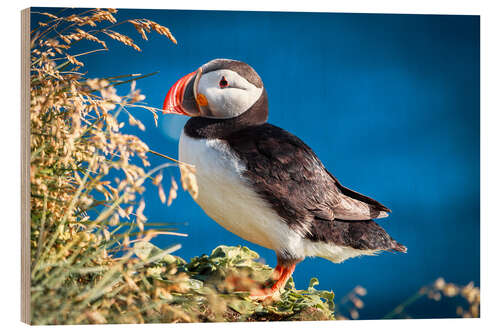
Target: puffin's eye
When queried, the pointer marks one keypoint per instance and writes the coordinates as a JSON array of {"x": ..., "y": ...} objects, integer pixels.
[{"x": 223, "y": 83}]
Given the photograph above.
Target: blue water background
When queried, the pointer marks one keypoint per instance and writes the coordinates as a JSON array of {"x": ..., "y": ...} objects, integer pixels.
[{"x": 390, "y": 104}]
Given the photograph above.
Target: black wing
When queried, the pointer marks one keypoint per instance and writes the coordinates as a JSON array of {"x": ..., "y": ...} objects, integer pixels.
[{"x": 289, "y": 175}]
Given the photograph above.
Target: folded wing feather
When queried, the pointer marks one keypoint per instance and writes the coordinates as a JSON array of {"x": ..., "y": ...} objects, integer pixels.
[{"x": 289, "y": 175}]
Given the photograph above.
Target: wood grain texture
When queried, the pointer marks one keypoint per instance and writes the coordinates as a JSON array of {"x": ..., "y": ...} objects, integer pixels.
[{"x": 25, "y": 167}]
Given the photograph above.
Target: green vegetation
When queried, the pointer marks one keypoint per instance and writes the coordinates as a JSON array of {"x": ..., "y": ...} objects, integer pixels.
[{"x": 218, "y": 284}]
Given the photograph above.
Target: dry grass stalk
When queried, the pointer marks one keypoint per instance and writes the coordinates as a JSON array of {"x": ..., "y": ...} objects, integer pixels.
[
  {"x": 85, "y": 183},
  {"x": 468, "y": 294}
]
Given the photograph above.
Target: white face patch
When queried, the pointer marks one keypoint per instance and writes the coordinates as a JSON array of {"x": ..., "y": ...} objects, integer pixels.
[{"x": 230, "y": 101}]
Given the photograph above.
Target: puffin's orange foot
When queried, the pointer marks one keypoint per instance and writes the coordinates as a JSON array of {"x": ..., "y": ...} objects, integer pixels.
[{"x": 281, "y": 274}]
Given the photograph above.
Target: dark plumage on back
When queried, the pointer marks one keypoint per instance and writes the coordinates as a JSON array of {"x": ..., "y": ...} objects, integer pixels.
[{"x": 288, "y": 175}]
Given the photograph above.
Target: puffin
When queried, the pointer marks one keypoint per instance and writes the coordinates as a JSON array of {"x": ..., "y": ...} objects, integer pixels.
[{"x": 263, "y": 183}]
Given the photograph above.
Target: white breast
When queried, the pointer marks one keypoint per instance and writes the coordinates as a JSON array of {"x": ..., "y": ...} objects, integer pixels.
[{"x": 227, "y": 197}]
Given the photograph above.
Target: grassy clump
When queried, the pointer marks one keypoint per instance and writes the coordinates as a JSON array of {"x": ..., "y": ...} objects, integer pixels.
[
  {"x": 214, "y": 287},
  {"x": 229, "y": 269},
  {"x": 91, "y": 256}
]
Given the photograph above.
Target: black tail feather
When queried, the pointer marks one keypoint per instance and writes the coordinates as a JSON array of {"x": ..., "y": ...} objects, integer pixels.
[
  {"x": 362, "y": 235},
  {"x": 398, "y": 247}
]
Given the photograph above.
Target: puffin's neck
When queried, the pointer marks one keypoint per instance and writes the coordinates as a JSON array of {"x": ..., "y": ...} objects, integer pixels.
[{"x": 198, "y": 127}]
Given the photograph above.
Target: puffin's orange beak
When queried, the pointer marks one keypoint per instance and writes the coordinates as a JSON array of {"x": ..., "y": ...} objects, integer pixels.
[{"x": 175, "y": 96}]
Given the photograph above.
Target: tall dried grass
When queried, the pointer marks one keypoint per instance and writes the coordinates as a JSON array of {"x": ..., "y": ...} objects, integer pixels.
[{"x": 87, "y": 210}]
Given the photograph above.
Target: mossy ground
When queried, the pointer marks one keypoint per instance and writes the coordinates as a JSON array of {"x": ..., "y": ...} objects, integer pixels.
[{"x": 228, "y": 271}]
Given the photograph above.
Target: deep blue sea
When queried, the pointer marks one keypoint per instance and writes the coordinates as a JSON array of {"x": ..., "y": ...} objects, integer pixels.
[{"x": 390, "y": 104}]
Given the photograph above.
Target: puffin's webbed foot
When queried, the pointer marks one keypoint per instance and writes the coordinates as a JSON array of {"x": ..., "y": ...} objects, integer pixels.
[{"x": 281, "y": 275}]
